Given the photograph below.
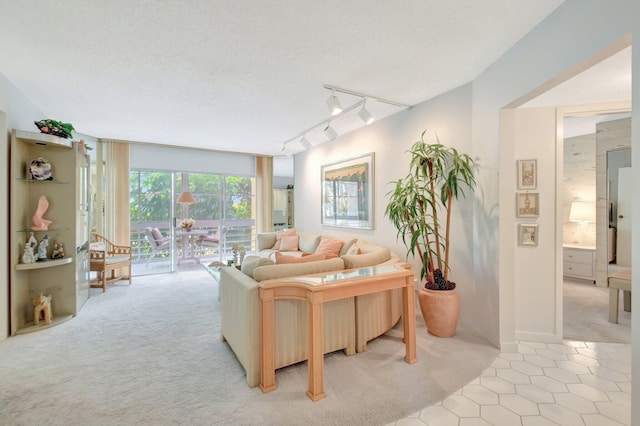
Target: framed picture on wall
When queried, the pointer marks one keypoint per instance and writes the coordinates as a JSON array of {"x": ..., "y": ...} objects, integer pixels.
[
  {"x": 527, "y": 204},
  {"x": 527, "y": 174},
  {"x": 528, "y": 234},
  {"x": 347, "y": 193}
]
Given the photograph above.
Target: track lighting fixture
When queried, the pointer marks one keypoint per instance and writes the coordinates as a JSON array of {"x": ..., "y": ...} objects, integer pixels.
[
  {"x": 334, "y": 104},
  {"x": 331, "y": 134},
  {"x": 337, "y": 112},
  {"x": 366, "y": 115},
  {"x": 305, "y": 143}
]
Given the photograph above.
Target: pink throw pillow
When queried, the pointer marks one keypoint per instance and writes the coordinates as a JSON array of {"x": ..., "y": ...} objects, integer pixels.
[
  {"x": 279, "y": 236},
  {"x": 283, "y": 258},
  {"x": 289, "y": 243},
  {"x": 330, "y": 247}
]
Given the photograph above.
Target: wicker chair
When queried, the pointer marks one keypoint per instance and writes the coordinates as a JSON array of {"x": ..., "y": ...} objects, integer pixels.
[{"x": 108, "y": 257}]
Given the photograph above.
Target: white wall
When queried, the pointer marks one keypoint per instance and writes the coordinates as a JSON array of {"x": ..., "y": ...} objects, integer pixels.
[
  {"x": 535, "y": 266},
  {"x": 576, "y": 36},
  {"x": 18, "y": 113},
  {"x": 449, "y": 116},
  {"x": 512, "y": 80}
]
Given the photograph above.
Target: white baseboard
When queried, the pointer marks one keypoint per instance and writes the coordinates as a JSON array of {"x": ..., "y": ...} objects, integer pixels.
[{"x": 529, "y": 336}]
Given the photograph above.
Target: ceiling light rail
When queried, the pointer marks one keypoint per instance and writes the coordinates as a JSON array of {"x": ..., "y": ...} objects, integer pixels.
[
  {"x": 362, "y": 95},
  {"x": 336, "y": 111}
]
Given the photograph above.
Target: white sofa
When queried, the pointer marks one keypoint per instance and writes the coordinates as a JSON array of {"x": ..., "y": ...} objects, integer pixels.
[{"x": 349, "y": 323}]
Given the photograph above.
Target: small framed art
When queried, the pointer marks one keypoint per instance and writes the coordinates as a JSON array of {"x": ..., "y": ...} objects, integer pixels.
[
  {"x": 527, "y": 204},
  {"x": 528, "y": 234},
  {"x": 527, "y": 174}
]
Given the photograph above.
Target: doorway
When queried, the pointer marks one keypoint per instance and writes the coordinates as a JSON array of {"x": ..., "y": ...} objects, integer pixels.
[{"x": 593, "y": 151}]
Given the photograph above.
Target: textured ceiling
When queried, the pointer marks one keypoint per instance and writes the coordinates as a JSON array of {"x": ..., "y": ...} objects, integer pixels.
[{"x": 245, "y": 76}]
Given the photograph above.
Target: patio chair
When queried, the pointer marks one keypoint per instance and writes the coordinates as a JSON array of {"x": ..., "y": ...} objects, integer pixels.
[
  {"x": 214, "y": 241},
  {"x": 159, "y": 243}
]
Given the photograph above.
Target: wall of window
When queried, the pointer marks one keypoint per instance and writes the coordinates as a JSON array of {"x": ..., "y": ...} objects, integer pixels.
[{"x": 221, "y": 200}]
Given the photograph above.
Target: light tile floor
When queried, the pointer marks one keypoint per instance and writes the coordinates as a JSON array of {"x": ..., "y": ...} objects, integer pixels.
[{"x": 573, "y": 383}]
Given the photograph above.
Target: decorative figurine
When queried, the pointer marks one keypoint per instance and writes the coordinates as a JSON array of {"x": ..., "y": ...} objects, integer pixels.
[
  {"x": 42, "y": 248},
  {"x": 58, "y": 250},
  {"x": 30, "y": 255},
  {"x": 40, "y": 223},
  {"x": 42, "y": 308},
  {"x": 40, "y": 169}
]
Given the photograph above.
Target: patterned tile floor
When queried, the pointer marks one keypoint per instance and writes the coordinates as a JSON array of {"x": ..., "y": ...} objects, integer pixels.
[{"x": 573, "y": 383}]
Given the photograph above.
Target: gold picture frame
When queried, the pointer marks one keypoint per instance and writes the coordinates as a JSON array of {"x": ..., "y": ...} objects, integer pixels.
[
  {"x": 527, "y": 204},
  {"x": 527, "y": 174},
  {"x": 528, "y": 234}
]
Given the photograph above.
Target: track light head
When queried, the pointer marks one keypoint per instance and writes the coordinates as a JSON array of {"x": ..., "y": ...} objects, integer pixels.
[
  {"x": 305, "y": 143},
  {"x": 286, "y": 151},
  {"x": 331, "y": 134},
  {"x": 366, "y": 115},
  {"x": 334, "y": 104}
]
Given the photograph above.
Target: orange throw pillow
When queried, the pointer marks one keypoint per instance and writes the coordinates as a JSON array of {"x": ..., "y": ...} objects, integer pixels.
[
  {"x": 330, "y": 247},
  {"x": 283, "y": 258},
  {"x": 279, "y": 236}
]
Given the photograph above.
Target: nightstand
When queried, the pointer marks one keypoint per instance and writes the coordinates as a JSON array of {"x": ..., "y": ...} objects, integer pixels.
[{"x": 579, "y": 262}]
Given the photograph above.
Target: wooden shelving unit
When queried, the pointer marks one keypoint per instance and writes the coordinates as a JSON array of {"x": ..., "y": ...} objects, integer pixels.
[{"x": 65, "y": 279}]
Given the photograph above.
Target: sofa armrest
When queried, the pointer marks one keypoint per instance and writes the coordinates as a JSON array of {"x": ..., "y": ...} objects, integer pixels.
[
  {"x": 240, "y": 319},
  {"x": 265, "y": 240}
]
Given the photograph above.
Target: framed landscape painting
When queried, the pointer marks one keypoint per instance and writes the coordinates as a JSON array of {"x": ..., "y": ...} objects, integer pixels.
[{"x": 347, "y": 193}]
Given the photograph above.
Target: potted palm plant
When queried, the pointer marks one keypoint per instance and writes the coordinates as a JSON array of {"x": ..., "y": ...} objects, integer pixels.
[{"x": 420, "y": 209}]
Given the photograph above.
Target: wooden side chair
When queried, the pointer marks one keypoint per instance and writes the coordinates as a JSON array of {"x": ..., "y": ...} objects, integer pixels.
[{"x": 106, "y": 257}]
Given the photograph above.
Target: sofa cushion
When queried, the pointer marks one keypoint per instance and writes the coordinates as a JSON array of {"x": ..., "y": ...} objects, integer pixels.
[
  {"x": 252, "y": 262},
  {"x": 346, "y": 246},
  {"x": 354, "y": 249},
  {"x": 289, "y": 242},
  {"x": 283, "y": 258},
  {"x": 281, "y": 234},
  {"x": 308, "y": 242},
  {"x": 375, "y": 257},
  {"x": 271, "y": 272},
  {"x": 330, "y": 247}
]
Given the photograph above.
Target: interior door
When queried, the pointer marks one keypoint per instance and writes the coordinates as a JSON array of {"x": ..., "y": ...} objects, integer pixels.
[{"x": 623, "y": 237}]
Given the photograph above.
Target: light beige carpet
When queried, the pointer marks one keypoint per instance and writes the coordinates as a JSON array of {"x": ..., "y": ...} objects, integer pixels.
[
  {"x": 586, "y": 314},
  {"x": 151, "y": 354}
]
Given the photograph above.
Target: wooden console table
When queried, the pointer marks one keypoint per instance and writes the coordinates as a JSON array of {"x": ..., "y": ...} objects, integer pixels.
[{"x": 325, "y": 287}]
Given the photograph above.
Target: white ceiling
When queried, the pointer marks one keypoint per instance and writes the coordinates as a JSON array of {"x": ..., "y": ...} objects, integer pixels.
[{"x": 245, "y": 76}]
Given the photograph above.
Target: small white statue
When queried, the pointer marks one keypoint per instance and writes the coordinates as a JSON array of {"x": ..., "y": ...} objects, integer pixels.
[
  {"x": 29, "y": 255},
  {"x": 42, "y": 248}
]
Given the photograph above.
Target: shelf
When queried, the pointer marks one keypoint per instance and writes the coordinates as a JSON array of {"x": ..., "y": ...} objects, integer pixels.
[
  {"x": 44, "y": 264},
  {"x": 43, "y": 139},
  {"x": 54, "y": 181},
  {"x": 30, "y": 327},
  {"x": 48, "y": 230}
]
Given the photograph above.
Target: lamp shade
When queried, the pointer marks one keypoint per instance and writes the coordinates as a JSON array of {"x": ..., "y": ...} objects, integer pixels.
[
  {"x": 186, "y": 198},
  {"x": 582, "y": 211}
]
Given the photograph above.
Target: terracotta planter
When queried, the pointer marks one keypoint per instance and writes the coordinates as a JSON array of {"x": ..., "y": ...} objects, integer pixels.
[{"x": 440, "y": 310}]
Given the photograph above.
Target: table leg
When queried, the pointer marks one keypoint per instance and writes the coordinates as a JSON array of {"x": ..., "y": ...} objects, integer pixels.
[
  {"x": 613, "y": 305},
  {"x": 267, "y": 341},
  {"x": 409, "y": 321},
  {"x": 315, "y": 351}
]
